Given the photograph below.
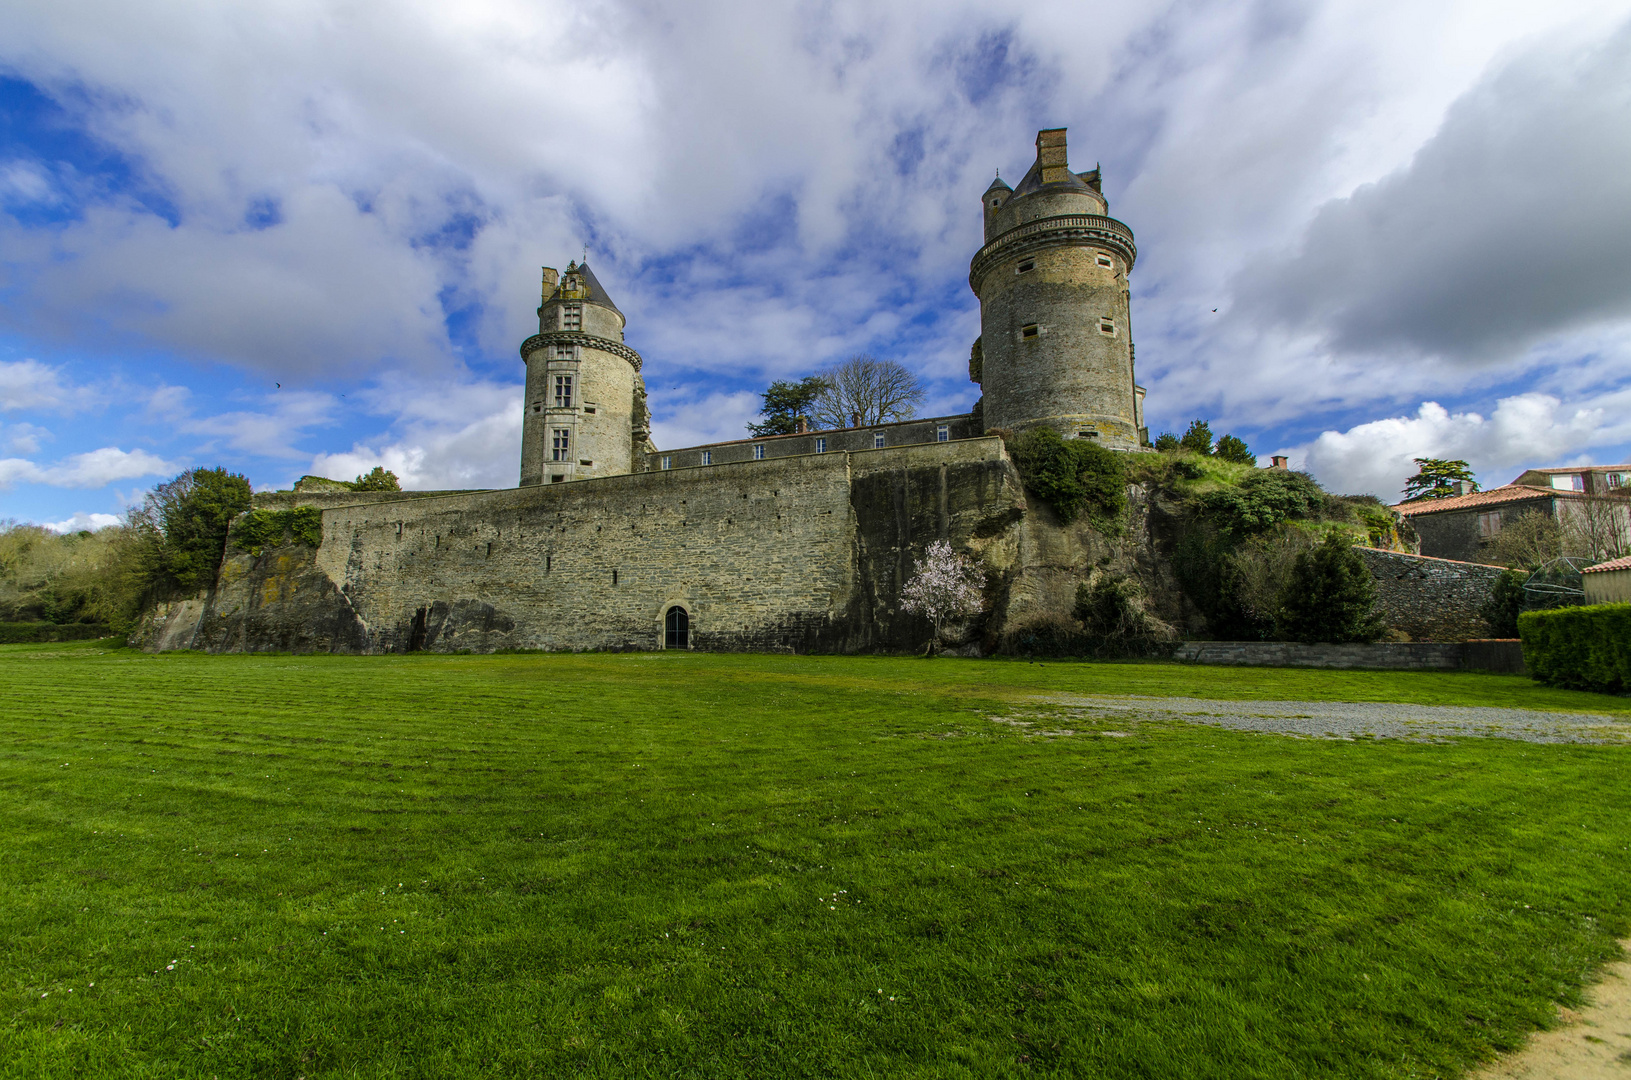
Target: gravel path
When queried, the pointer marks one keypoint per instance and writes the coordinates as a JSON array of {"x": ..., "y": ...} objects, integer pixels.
[{"x": 1337, "y": 719}]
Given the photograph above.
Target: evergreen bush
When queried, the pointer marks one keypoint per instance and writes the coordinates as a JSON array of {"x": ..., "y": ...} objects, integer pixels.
[
  {"x": 1074, "y": 476},
  {"x": 1506, "y": 602},
  {"x": 1330, "y": 596},
  {"x": 1113, "y": 618},
  {"x": 1581, "y": 648}
]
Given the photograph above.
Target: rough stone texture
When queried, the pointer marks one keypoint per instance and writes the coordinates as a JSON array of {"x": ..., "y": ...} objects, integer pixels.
[
  {"x": 1399, "y": 655},
  {"x": 1454, "y": 534},
  {"x": 899, "y": 433},
  {"x": 799, "y": 554},
  {"x": 1431, "y": 599}
]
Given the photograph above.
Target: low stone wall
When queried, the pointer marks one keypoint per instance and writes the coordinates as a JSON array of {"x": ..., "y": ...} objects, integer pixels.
[
  {"x": 1487, "y": 655},
  {"x": 1430, "y": 599}
]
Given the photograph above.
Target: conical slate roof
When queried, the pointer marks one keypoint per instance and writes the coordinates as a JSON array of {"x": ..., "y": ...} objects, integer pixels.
[
  {"x": 998, "y": 185},
  {"x": 596, "y": 293},
  {"x": 1033, "y": 181}
]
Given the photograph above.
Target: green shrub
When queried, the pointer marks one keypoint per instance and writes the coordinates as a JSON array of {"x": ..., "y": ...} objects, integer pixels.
[
  {"x": 1330, "y": 596},
  {"x": 1263, "y": 500},
  {"x": 381, "y": 479},
  {"x": 26, "y": 633},
  {"x": 261, "y": 529},
  {"x": 185, "y": 521},
  {"x": 1232, "y": 448},
  {"x": 1113, "y": 618},
  {"x": 1582, "y": 648},
  {"x": 1074, "y": 476},
  {"x": 1506, "y": 602}
]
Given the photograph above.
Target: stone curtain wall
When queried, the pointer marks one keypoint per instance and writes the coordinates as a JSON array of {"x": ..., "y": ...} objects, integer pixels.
[
  {"x": 1431, "y": 599},
  {"x": 1497, "y": 656},
  {"x": 793, "y": 554}
]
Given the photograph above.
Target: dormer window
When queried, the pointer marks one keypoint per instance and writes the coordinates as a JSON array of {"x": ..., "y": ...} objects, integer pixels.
[{"x": 571, "y": 316}]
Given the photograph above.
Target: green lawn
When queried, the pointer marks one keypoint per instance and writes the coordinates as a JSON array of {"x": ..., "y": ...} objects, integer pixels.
[{"x": 715, "y": 866}]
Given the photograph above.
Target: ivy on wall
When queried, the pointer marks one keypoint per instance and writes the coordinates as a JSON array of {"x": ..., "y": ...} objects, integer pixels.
[{"x": 261, "y": 529}]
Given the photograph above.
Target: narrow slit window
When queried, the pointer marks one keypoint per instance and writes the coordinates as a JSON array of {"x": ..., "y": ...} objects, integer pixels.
[
  {"x": 1029, "y": 331},
  {"x": 758, "y": 451},
  {"x": 583, "y": 462},
  {"x": 821, "y": 445},
  {"x": 561, "y": 445},
  {"x": 707, "y": 457},
  {"x": 563, "y": 391}
]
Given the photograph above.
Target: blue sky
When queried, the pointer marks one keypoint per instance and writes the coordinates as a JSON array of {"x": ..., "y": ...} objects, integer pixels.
[{"x": 306, "y": 238}]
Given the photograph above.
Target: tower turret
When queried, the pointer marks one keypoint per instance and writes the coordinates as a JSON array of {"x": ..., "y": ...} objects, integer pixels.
[
  {"x": 1055, "y": 342},
  {"x": 586, "y": 403}
]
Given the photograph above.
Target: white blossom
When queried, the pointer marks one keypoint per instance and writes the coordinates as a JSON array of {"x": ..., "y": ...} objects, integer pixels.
[{"x": 944, "y": 585}]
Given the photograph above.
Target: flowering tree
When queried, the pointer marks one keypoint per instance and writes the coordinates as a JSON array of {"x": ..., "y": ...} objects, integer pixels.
[{"x": 944, "y": 585}]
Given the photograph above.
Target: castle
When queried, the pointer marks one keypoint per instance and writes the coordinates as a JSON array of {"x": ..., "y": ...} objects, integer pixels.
[{"x": 797, "y": 542}]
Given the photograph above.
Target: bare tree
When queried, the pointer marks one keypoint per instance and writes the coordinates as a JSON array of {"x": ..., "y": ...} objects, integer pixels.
[
  {"x": 1533, "y": 539},
  {"x": 864, "y": 390},
  {"x": 1597, "y": 529}
]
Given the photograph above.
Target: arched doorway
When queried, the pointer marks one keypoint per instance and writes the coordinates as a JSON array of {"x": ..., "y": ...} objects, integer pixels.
[{"x": 676, "y": 629}]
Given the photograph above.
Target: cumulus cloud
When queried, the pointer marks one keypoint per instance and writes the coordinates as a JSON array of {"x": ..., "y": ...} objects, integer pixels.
[
  {"x": 1523, "y": 430},
  {"x": 464, "y": 435},
  {"x": 94, "y": 469},
  {"x": 31, "y": 385},
  {"x": 1509, "y": 225},
  {"x": 268, "y": 433},
  {"x": 82, "y": 521}
]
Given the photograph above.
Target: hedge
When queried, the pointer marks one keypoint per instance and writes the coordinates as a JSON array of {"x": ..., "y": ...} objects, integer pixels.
[
  {"x": 23, "y": 633},
  {"x": 1583, "y": 648}
]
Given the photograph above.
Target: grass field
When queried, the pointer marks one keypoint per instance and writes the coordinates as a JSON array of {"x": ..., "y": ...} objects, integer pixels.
[{"x": 718, "y": 866}]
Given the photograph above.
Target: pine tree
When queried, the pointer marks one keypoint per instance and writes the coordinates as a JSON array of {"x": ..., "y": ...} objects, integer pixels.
[
  {"x": 1330, "y": 596},
  {"x": 1436, "y": 478}
]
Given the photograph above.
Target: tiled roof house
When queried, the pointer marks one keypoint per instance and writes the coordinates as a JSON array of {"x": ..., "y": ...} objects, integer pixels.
[{"x": 1462, "y": 526}]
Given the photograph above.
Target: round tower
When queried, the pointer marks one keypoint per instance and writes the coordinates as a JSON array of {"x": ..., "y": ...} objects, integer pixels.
[
  {"x": 586, "y": 403},
  {"x": 1055, "y": 343}
]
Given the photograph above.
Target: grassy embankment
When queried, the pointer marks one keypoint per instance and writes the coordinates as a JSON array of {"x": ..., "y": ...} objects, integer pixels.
[{"x": 689, "y": 865}]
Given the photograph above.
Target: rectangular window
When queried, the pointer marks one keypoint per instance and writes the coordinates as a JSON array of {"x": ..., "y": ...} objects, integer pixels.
[
  {"x": 668, "y": 462},
  {"x": 1571, "y": 482},
  {"x": 1025, "y": 267},
  {"x": 942, "y": 433},
  {"x": 1029, "y": 331},
  {"x": 1104, "y": 260},
  {"x": 707, "y": 457},
  {"x": 571, "y": 316},
  {"x": 758, "y": 451},
  {"x": 563, "y": 391},
  {"x": 1106, "y": 326},
  {"x": 1615, "y": 479},
  {"x": 1489, "y": 524},
  {"x": 821, "y": 446},
  {"x": 877, "y": 440},
  {"x": 561, "y": 445},
  {"x": 563, "y": 352}
]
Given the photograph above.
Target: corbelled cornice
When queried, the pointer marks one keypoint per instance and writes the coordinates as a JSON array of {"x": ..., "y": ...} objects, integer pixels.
[
  {"x": 1064, "y": 230},
  {"x": 579, "y": 338}
]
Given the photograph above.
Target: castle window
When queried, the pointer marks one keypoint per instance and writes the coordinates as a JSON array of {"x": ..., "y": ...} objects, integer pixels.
[
  {"x": 821, "y": 445},
  {"x": 1489, "y": 524},
  {"x": 571, "y": 316},
  {"x": 877, "y": 440},
  {"x": 537, "y": 408},
  {"x": 582, "y": 462},
  {"x": 1025, "y": 267},
  {"x": 556, "y": 479},
  {"x": 1107, "y": 326},
  {"x": 707, "y": 457},
  {"x": 589, "y": 410},
  {"x": 1029, "y": 331},
  {"x": 563, "y": 352},
  {"x": 758, "y": 451},
  {"x": 668, "y": 462},
  {"x": 561, "y": 445},
  {"x": 563, "y": 391},
  {"x": 942, "y": 433},
  {"x": 614, "y": 577},
  {"x": 1104, "y": 260}
]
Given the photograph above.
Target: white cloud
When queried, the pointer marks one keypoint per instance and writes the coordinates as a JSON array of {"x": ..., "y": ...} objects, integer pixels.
[
  {"x": 23, "y": 438},
  {"x": 94, "y": 469},
  {"x": 713, "y": 418},
  {"x": 268, "y": 434},
  {"x": 1523, "y": 431},
  {"x": 434, "y": 447},
  {"x": 81, "y": 521},
  {"x": 29, "y": 384}
]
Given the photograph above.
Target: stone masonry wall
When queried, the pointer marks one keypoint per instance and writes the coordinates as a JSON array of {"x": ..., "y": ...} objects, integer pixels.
[
  {"x": 1431, "y": 599},
  {"x": 802, "y": 553}
]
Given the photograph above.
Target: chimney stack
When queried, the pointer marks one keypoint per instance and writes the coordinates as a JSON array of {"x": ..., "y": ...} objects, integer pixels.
[
  {"x": 1279, "y": 461},
  {"x": 801, "y": 426},
  {"x": 1050, "y": 154},
  {"x": 551, "y": 279}
]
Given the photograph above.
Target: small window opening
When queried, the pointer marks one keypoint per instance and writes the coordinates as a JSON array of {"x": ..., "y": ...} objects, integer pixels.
[
  {"x": 589, "y": 409},
  {"x": 1107, "y": 327},
  {"x": 821, "y": 445},
  {"x": 942, "y": 433},
  {"x": 676, "y": 629},
  {"x": 668, "y": 462},
  {"x": 556, "y": 479},
  {"x": 877, "y": 440},
  {"x": 707, "y": 457},
  {"x": 1087, "y": 434},
  {"x": 1025, "y": 267},
  {"x": 548, "y": 559},
  {"x": 537, "y": 408},
  {"x": 1029, "y": 331},
  {"x": 758, "y": 451},
  {"x": 583, "y": 462},
  {"x": 614, "y": 577},
  {"x": 1104, "y": 260}
]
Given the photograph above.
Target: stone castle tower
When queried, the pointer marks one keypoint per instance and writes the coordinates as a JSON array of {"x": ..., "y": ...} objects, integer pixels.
[
  {"x": 1055, "y": 342},
  {"x": 586, "y": 402}
]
